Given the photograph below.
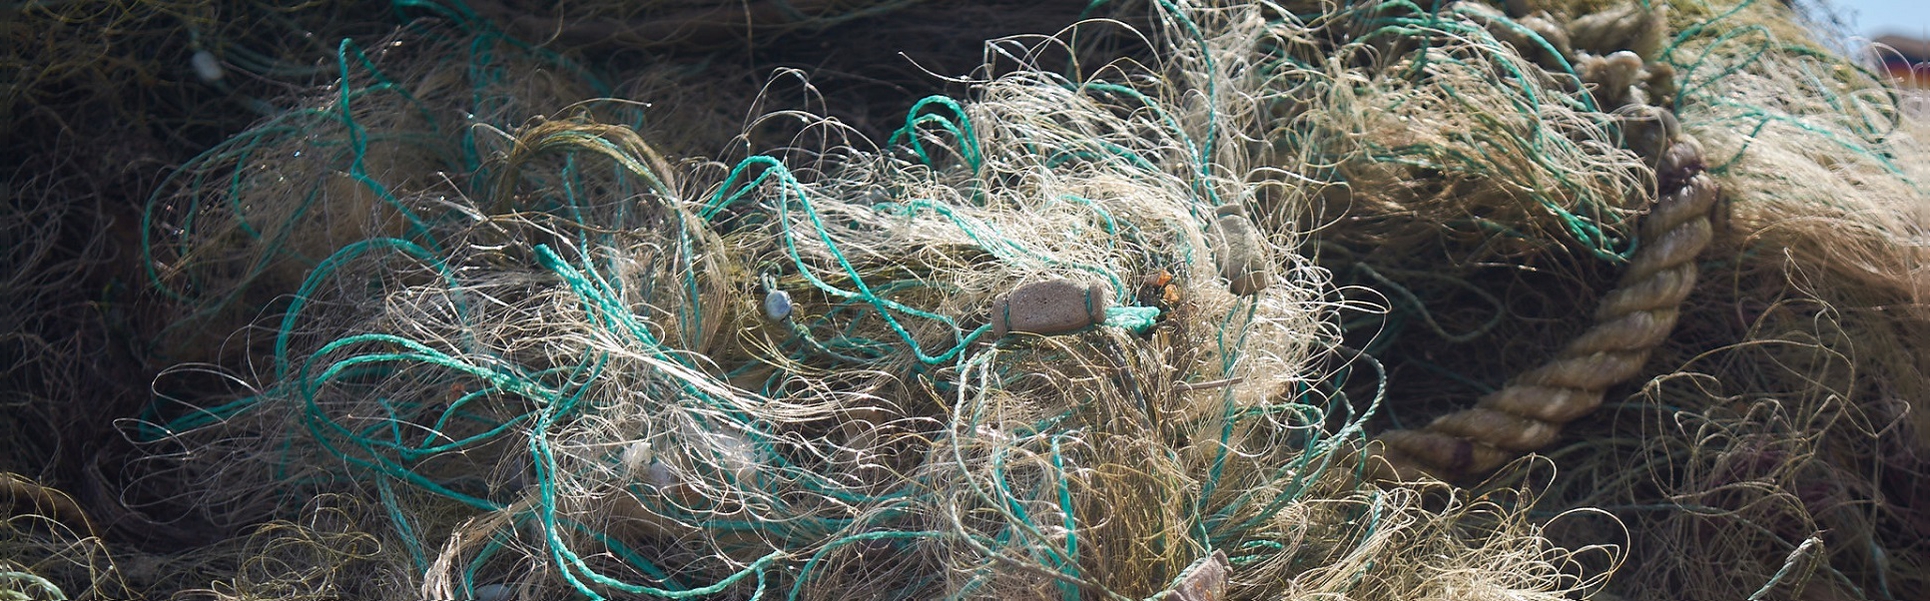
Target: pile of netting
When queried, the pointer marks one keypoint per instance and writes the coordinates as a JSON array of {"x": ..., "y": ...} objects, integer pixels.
[
  {"x": 1782, "y": 449},
  {"x": 1186, "y": 300}
]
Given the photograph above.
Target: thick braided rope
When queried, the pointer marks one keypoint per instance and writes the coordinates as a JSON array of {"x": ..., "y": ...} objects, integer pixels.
[{"x": 1528, "y": 413}]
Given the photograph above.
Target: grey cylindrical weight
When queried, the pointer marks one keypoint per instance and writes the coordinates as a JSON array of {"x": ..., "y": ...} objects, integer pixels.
[{"x": 1050, "y": 307}]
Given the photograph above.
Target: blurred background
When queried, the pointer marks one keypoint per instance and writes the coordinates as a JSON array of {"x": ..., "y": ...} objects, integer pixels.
[
  {"x": 1871, "y": 18},
  {"x": 1895, "y": 32}
]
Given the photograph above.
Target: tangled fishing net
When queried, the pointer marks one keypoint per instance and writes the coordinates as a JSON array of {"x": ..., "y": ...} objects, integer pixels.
[
  {"x": 604, "y": 372},
  {"x": 1187, "y": 301}
]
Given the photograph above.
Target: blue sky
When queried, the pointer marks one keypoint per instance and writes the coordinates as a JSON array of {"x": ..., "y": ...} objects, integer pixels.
[{"x": 1870, "y": 18}]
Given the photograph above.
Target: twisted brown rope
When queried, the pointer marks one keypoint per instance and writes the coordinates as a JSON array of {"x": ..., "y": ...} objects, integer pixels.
[
  {"x": 21, "y": 496},
  {"x": 1528, "y": 413}
]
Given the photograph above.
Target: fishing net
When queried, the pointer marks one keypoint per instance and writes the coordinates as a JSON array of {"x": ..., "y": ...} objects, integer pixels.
[
  {"x": 682, "y": 24},
  {"x": 591, "y": 367},
  {"x": 529, "y": 302},
  {"x": 1789, "y": 433},
  {"x": 1776, "y": 451}
]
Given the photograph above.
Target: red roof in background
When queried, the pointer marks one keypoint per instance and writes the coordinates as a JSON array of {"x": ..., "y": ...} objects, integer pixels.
[
  {"x": 1906, "y": 59},
  {"x": 1911, "y": 49}
]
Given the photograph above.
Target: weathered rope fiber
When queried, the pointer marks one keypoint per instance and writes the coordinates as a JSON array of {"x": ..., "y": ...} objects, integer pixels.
[{"x": 1631, "y": 321}]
